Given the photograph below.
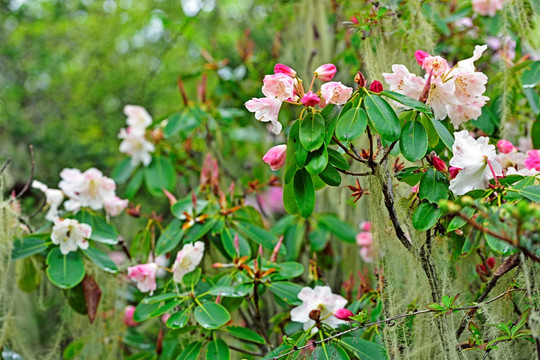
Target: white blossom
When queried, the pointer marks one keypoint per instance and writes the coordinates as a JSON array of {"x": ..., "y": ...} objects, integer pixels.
[
  {"x": 53, "y": 199},
  {"x": 70, "y": 235},
  {"x": 320, "y": 298},
  {"x": 187, "y": 259}
]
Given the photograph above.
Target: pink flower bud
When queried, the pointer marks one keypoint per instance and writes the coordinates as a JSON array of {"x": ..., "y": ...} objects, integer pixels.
[
  {"x": 237, "y": 243},
  {"x": 439, "y": 164},
  {"x": 128, "y": 316},
  {"x": 354, "y": 20},
  {"x": 421, "y": 56},
  {"x": 284, "y": 69},
  {"x": 275, "y": 253},
  {"x": 505, "y": 146},
  {"x": 490, "y": 262},
  {"x": 343, "y": 314},
  {"x": 415, "y": 189},
  {"x": 376, "y": 86},
  {"x": 326, "y": 72},
  {"x": 366, "y": 226},
  {"x": 165, "y": 317},
  {"x": 453, "y": 171},
  {"x": 310, "y": 99},
  {"x": 275, "y": 157}
]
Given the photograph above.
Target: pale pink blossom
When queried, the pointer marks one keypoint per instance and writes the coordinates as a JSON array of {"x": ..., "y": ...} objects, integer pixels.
[
  {"x": 138, "y": 117},
  {"x": 134, "y": 144},
  {"x": 335, "y": 93},
  {"x": 88, "y": 189},
  {"x": 403, "y": 82},
  {"x": 505, "y": 146},
  {"x": 365, "y": 241},
  {"x": 279, "y": 86},
  {"x": 284, "y": 69},
  {"x": 438, "y": 64},
  {"x": 322, "y": 299},
  {"x": 70, "y": 235},
  {"x": 326, "y": 72},
  {"x": 487, "y": 7},
  {"x": 442, "y": 95},
  {"x": 165, "y": 317},
  {"x": 415, "y": 189},
  {"x": 145, "y": 276},
  {"x": 365, "y": 226},
  {"x": 187, "y": 260},
  {"x": 53, "y": 199},
  {"x": 128, "y": 316},
  {"x": 275, "y": 157},
  {"x": 114, "y": 205},
  {"x": 266, "y": 109},
  {"x": 310, "y": 99},
  {"x": 533, "y": 160},
  {"x": 512, "y": 159},
  {"x": 525, "y": 144},
  {"x": 118, "y": 257}
]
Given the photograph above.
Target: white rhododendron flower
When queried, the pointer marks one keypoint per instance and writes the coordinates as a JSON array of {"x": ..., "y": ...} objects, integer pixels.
[
  {"x": 522, "y": 172},
  {"x": 456, "y": 92},
  {"x": 145, "y": 276},
  {"x": 320, "y": 298},
  {"x": 266, "y": 109},
  {"x": 114, "y": 205},
  {"x": 70, "y": 235},
  {"x": 54, "y": 198},
  {"x": 473, "y": 158},
  {"x": 187, "y": 259},
  {"x": 135, "y": 145},
  {"x": 138, "y": 117}
]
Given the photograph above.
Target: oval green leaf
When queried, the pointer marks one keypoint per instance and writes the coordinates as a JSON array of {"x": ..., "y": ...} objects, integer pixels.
[
  {"x": 217, "y": 350},
  {"x": 312, "y": 131},
  {"x": 317, "y": 160},
  {"x": 425, "y": 216},
  {"x": 414, "y": 141},
  {"x": 383, "y": 117},
  {"x": 159, "y": 175},
  {"x": 351, "y": 124},
  {"x": 65, "y": 271},
  {"x": 304, "y": 192},
  {"x": 211, "y": 315}
]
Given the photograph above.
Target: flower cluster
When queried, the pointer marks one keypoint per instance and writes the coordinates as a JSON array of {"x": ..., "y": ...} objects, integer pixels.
[
  {"x": 134, "y": 142},
  {"x": 456, "y": 92},
  {"x": 284, "y": 85},
  {"x": 364, "y": 239}
]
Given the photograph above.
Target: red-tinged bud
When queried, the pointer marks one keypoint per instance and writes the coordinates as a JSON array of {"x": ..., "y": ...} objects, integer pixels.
[
  {"x": 343, "y": 314},
  {"x": 453, "y": 171},
  {"x": 157, "y": 135},
  {"x": 231, "y": 190},
  {"x": 505, "y": 146},
  {"x": 354, "y": 20},
  {"x": 425, "y": 92},
  {"x": 255, "y": 265},
  {"x": 194, "y": 199},
  {"x": 284, "y": 69},
  {"x": 276, "y": 156},
  {"x": 260, "y": 250},
  {"x": 172, "y": 199},
  {"x": 326, "y": 72},
  {"x": 439, "y": 164},
  {"x": 421, "y": 56},
  {"x": 201, "y": 89},
  {"x": 128, "y": 316},
  {"x": 310, "y": 99},
  {"x": 218, "y": 299},
  {"x": 315, "y": 314},
  {"x": 275, "y": 253},
  {"x": 165, "y": 317},
  {"x": 218, "y": 265},
  {"x": 490, "y": 262},
  {"x": 360, "y": 80},
  {"x": 237, "y": 244},
  {"x": 376, "y": 86}
]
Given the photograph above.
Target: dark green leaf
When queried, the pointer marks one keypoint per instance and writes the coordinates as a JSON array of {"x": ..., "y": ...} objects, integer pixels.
[
  {"x": 286, "y": 291},
  {"x": 365, "y": 350},
  {"x": 217, "y": 350},
  {"x": 170, "y": 237},
  {"x": 383, "y": 117},
  {"x": 191, "y": 352},
  {"x": 336, "y": 159},
  {"x": 304, "y": 193},
  {"x": 143, "y": 311},
  {"x": 425, "y": 216},
  {"x": 414, "y": 142},
  {"x": 258, "y": 235},
  {"x": 531, "y": 75},
  {"x": 351, "y": 124},
  {"x": 531, "y": 192},
  {"x": 312, "y": 131},
  {"x": 433, "y": 186},
  {"x": 331, "y": 176},
  {"x": 443, "y": 132},
  {"x": 123, "y": 171},
  {"x": 535, "y": 134},
  {"x": 134, "y": 184},
  {"x": 245, "y": 334},
  {"x": 211, "y": 315},
  {"x": 329, "y": 352},
  {"x": 101, "y": 259},
  {"x": 28, "y": 246},
  {"x": 65, "y": 271},
  {"x": 179, "y": 319},
  {"x": 159, "y": 175},
  {"x": 338, "y": 227},
  {"x": 317, "y": 160},
  {"x": 407, "y": 101}
]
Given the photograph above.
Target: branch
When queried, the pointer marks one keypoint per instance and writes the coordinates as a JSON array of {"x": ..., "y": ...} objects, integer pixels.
[
  {"x": 388, "y": 151},
  {"x": 353, "y": 173},
  {"x": 5, "y": 166},
  {"x": 347, "y": 151},
  {"x": 384, "y": 321},
  {"x": 31, "y": 177}
]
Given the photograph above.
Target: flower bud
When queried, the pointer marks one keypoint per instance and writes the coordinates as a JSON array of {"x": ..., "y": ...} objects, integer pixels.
[
  {"x": 421, "y": 56},
  {"x": 165, "y": 317},
  {"x": 310, "y": 99},
  {"x": 315, "y": 315},
  {"x": 326, "y": 72},
  {"x": 343, "y": 314},
  {"x": 128, "y": 316},
  {"x": 360, "y": 80},
  {"x": 376, "y": 86},
  {"x": 284, "y": 69},
  {"x": 365, "y": 226},
  {"x": 505, "y": 146},
  {"x": 439, "y": 164},
  {"x": 275, "y": 157},
  {"x": 453, "y": 171},
  {"x": 490, "y": 262}
]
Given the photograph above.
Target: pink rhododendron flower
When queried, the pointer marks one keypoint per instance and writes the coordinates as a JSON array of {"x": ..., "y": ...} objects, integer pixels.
[
  {"x": 335, "y": 93},
  {"x": 505, "y": 146},
  {"x": 134, "y": 144},
  {"x": 284, "y": 69},
  {"x": 70, "y": 235},
  {"x": 511, "y": 159},
  {"x": 165, "y": 317},
  {"x": 187, "y": 260},
  {"x": 275, "y": 157},
  {"x": 365, "y": 226},
  {"x": 403, "y": 82},
  {"x": 438, "y": 64},
  {"x": 322, "y": 299},
  {"x": 114, "y": 205},
  {"x": 53, "y": 199},
  {"x": 472, "y": 157},
  {"x": 343, "y": 314},
  {"x": 310, "y": 99},
  {"x": 365, "y": 241},
  {"x": 487, "y": 7},
  {"x": 415, "y": 189},
  {"x": 128, "y": 316},
  {"x": 376, "y": 86},
  {"x": 326, "y": 72},
  {"x": 89, "y": 189},
  {"x": 266, "y": 109},
  {"x": 138, "y": 117},
  {"x": 145, "y": 276},
  {"x": 533, "y": 160},
  {"x": 420, "y": 56},
  {"x": 279, "y": 86}
]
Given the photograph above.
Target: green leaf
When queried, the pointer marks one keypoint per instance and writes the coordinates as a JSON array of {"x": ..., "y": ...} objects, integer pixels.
[
  {"x": 123, "y": 171},
  {"x": 433, "y": 186},
  {"x": 211, "y": 315},
  {"x": 535, "y": 134},
  {"x": 102, "y": 231},
  {"x": 178, "y": 122},
  {"x": 331, "y": 176},
  {"x": 170, "y": 237},
  {"x": 159, "y": 298},
  {"x": 65, "y": 271},
  {"x": 288, "y": 270},
  {"x": 338, "y": 227},
  {"x": 286, "y": 291},
  {"x": 383, "y": 117},
  {"x": 191, "y": 352},
  {"x": 191, "y": 279},
  {"x": 352, "y": 124},
  {"x": 289, "y": 201},
  {"x": 433, "y": 136},
  {"x": 28, "y": 276},
  {"x": 336, "y": 159},
  {"x": 197, "y": 231},
  {"x": 365, "y": 350},
  {"x": 159, "y": 175},
  {"x": 299, "y": 152},
  {"x": 531, "y": 75},
  {"x": 259, "y": 235},
  {"x": 134, "y": 184},
  {"x": 497, "y": 245},
  {"x": 165, "y": 308},
  {"x": 312, "y": 131},
  {"x": 329, "y": 352},
  {"x": 245, "y": 334},
  {"x": 458, "y": 222},
  {"x": 101, "y": 259},
  {"x": 143, "y": 311},
  {"x": 28, "y": 246},
  {"x": 425, "y": 216},
  {"x": 330, "y": 113},
  {"x": 443, "y": 132},
  {"x": 179, "y": 319},
  {"x": 217, "y": 350},
  {"x": 227, "y": 240},
  {"x": 414, "y": 142},
  {"x": 317, "y": 160},
  {"x": 407, "y": 101},
  {"x": 304, "y": 192},
  {"x": 290, "y": 160},
  {"x": 531, "y": 192}
]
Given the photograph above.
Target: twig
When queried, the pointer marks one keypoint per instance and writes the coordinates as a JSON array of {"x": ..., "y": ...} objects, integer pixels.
[
  {"x": 347, "y": 151},
  {"x": 5, "y": 166},
  {"x": 257, "y": 317},
  {"x": 353, "y": 173},
  {"x": 384, "y": 321},
  {"x": 31, "y": 177},
  {"x": 388, "y": 151},
  {"x": 371, "y": 161}
]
